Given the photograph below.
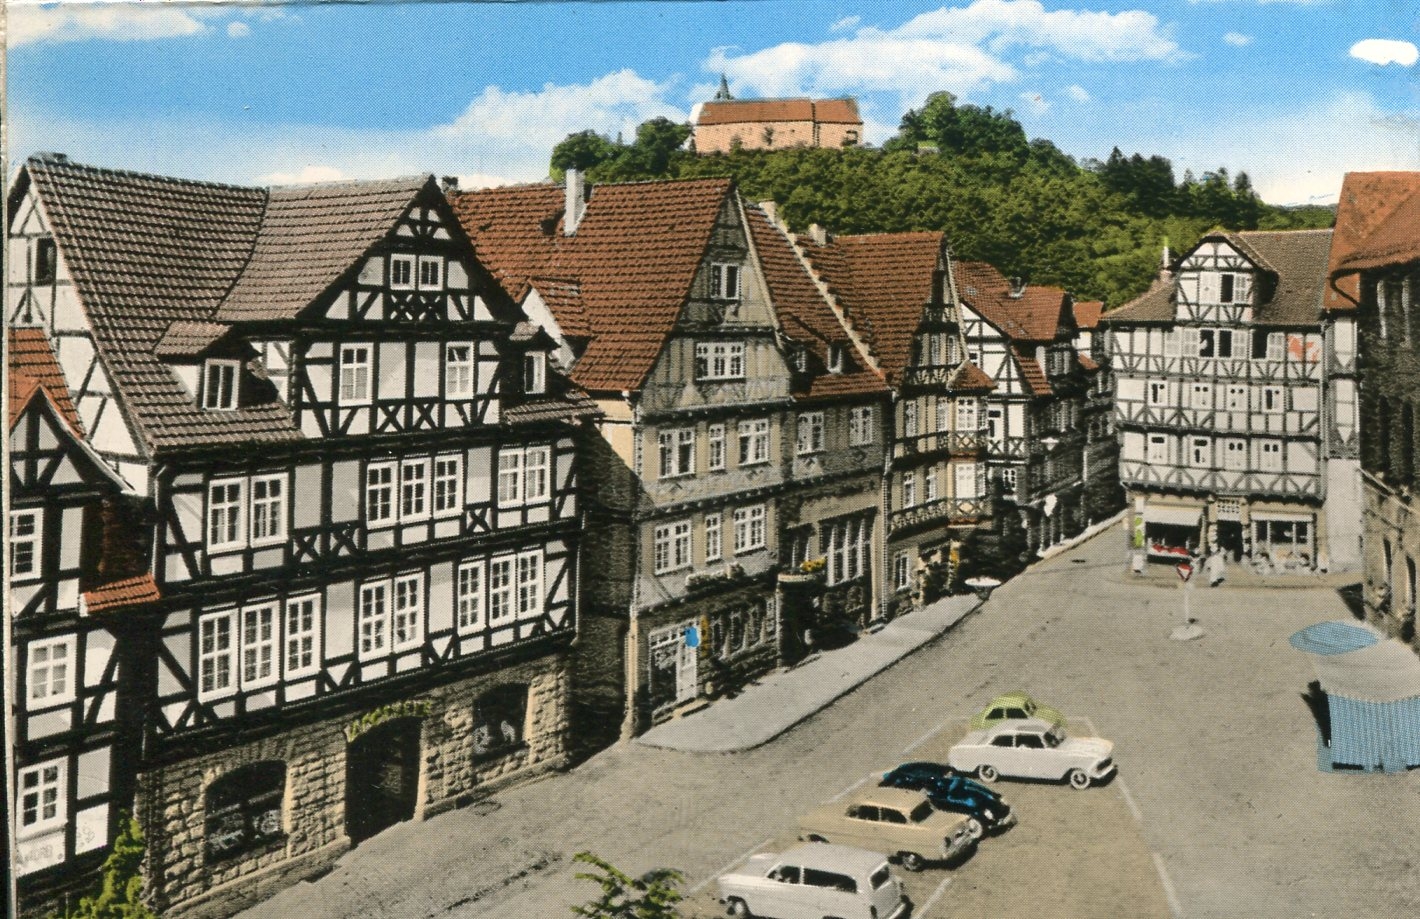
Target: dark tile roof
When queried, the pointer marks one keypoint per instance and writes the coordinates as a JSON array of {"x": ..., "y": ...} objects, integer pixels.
[
  {"x": 310, "y": 235},
  {"x": 741, "y": 111},
  {"x": 1154, "y": 305},
  {"x": 570, "y": 406},
  {"x": 133, "y": 591},
  {"x": 881, "y": 282},
  {"x": 188, "y": 338},
  {"x": 33, "y": 367},
  {"x": 804, "y": 314},
  {"x": 1034, "y": 315},
  {"x": 1377, "y": 223},
  {"x": 634, "y": 255}
]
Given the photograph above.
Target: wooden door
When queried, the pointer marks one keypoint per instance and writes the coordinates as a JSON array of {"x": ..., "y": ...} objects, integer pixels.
[{"x": 381, "y": 778}]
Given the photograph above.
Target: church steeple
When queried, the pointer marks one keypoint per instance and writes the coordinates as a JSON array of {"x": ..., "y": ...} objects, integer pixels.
[{"x": 723, "y": 93}]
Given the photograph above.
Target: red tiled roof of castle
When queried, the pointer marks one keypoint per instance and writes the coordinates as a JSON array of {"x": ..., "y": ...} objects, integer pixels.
[{"x": 741, "y": 111}]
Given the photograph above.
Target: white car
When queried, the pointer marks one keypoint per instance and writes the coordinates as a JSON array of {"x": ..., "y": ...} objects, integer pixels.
[
  {"x": 813, "y": 881},
  {"x": 1030, "y": 748}
]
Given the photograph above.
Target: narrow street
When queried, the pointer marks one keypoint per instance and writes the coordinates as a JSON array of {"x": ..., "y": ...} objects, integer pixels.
[{"x": 1218, "y": 809}]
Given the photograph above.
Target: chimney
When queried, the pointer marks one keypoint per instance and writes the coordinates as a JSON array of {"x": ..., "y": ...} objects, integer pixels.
[
  {"x": 818, "y": 234},
  {"x": 771, "y": 210},
  {"x": 576, "y": 202},
  {"x": 1165, "y": 267},
  {"x": 449, "y": 183}
]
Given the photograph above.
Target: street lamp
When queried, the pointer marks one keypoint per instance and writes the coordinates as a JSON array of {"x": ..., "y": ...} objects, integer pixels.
[
  {"x": 983, "y": 586},
  {"x": 1050, "y": 443}
]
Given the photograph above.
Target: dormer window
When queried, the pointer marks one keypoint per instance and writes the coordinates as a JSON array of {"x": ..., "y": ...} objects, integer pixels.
[
  {"x": 219, "y": 385},
  {"x": 719, "y": 360},
  {"x": 1233, "y": 288},
  {"x": 535, "y": 373},
  {"x": 837, "y": 358},
  {"x": 724, "y": 281},
  {"x": 801, "y": 360},
  {"x": 46, "y": 261}
]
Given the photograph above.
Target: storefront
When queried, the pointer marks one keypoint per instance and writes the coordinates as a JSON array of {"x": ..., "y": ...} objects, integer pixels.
[
  {"x": 1172, "y": 533},
  {"x": 1285, "y": 538}
]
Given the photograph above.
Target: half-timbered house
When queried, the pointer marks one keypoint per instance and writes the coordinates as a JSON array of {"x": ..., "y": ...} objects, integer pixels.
[
  {"x": 1223, "y": 392},
  {"x": 72, "y": 742},
  {"x": 896, "y": 292},
  {"x": 1374, "y": 273},
  {"x": 360, "y": 471}
]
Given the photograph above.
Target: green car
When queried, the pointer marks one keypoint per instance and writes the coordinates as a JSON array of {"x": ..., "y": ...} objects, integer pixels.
[{"x": 1014, "y": 705}]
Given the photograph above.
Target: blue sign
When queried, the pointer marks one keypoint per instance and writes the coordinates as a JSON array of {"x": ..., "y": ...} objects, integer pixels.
[{"x": 692, "y": 637}]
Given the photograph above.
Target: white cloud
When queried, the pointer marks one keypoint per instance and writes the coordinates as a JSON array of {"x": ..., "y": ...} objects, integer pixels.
[
  {"x": 238, "y": 29},
  {"x": 957, "y": 48},
  {"x": 1077, "y": 93},
  {"x": 1237, "y": 39},
  {"x": 307, "y": 175},
  {"x": 29, "y": 24},
  {"x": 1035, "y": 103},
  {"x": 1384, "y": 51},
  {"x": 845, "y": 24}
]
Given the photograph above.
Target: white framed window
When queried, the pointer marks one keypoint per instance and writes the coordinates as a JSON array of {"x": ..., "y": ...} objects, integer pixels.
[
  {"x": 944, "y": 415},
  {"x": 860, "y": 426},
  {"x": 1234, "y": 287},
  {"x": 1158, "y": 392},
  {"x": 750, "y": 530},
  {"x": 934, "y": 350},
  {"x": 379, "y": 493},
  {"x": 1171, "y": 343},
  {"x": 676, "y": 448},
  {"x": 355, "y": 374},
  {"x": 995, "y": 424},
  {"x": 810, "y": 433},
  {"x": 49, "y": 672},
  {"x": 837, "y": 357},
  {"x": 1269, "y": 455},
  {"x": 216, "y": 655},
  {"x": 909, "y": 418},
  {"x": 1200, "y": 396},
  {"x": 754, "y": 442},
  {"x": 968, "y": 479},
  {"x": 714, "y": 538},
  {"x": 42, "y": 803},
  {"x": 268, "y": 509},
  {"x": 448, "y": 483},
  {"x": 302, "y": 639},
  {"x": 1276, "y": 346},
  {"x": 968, "y": 419},
  {"x": 535, "y": 373},
  {"x": 724, "y": 281},
  {"x": 530, "y": 573},
  {"x": 1008, "y": 478},
  {"x": 459, "y": 374},
  {"x": 1191, "y": 342},
  {"x": 1158, "y": 448},
  {"x": 930, "y": 481},
  {"x": 719, "y": 360},
  {"x": 402, "y": 272},
  {"x": 537, "y": 471},
  {"x": 671, "y": 546},
  {"x": 258, "y": 646},
  {"x": 524, "y": 475},
  {"x": 374, "y": 619},
  {"x": 219, "y": 384},
  {"x": 468, "y": 597},
  {"x": 716, "y": 460},
  {"x": 909, "y": 488},
  {"x": 407, "y": 615},
  {"x": 1200, "y": 452},
  {"x": 226, "y": 514},
  {"x": 414, "y": 489},
  {"x": 1274, "y": 400},
  {"x": 901, "y": 571},
  {"x": 845, "y": 549},
  {"x": 431, "y": 272},
  {"x": 510, "y": 477},
  {"x": 26, "y": 544},
  {"x": 1235, "y": 454},
  {"x": 500, "y": 591}
]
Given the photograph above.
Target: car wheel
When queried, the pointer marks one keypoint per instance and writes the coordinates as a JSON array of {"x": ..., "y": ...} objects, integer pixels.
[
  {"x": 974, "y": 829},
  {"x": 1079, "y": 778},
  {"x": 740, "y": 909},
  {"x": 988, "y": 773},
  {"x": 911, "y": 861},
  {"x": 814, "y": 837}
]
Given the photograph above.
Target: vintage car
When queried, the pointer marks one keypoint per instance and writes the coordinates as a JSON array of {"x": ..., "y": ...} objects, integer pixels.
[
  {"x": 1032, "y": 749},
  {"x": 893, "y": 821},
  {"x": 949, "y": 790},
  {"x": 813, "y": 881},
  {"x": 1014, "y": 705}
]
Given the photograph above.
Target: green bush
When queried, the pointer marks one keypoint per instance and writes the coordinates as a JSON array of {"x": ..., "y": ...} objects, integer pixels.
[
  {"x": 120, "y": 891},
  {"x": 651, "y": 896}
]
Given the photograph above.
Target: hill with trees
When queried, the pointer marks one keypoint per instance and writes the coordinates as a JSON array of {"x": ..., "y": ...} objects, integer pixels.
[{"x": 1095, "y": 228}]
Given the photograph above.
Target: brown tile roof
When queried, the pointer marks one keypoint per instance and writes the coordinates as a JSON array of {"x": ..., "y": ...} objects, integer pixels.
[
  {"x": 569, "y": 406},
  {"x": 33, "y": 367},
  {"x": 805, "y": 315},
  {"x": 881, "y": 282},
  {"x": 1154, "y": 305},
  {"x": 186, "y": 338},
  {"x": 1032, "y": 372},
  {"x": 970, "y": 378},
  {"x": 1087, "y": 362},
  {"x": 634, "y": 256},
  {"x": 1033, "y": 316},
  {"x": 1377, "y": 223},
  {"x": 133, "y": 591},
  {"x": 1087, "y": 313},
  {"x": 310, "y": 235},
  {"x": 742, "y": 111},
  {"x": 564, "y": 298}
]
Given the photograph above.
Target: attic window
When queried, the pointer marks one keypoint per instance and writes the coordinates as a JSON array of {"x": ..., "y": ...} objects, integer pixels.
[
  {"x": 837, "y": 358},
  {"x": 402, "y": 271},
  {"x": 1232, "y": 288},
  {"x": 219, "y": 385},
  {"x": 801, "y": 360},
  {"x": 45, "y": 261},
  {"x": 724, "y": 282},
  {"x": 535, "y": 373}
]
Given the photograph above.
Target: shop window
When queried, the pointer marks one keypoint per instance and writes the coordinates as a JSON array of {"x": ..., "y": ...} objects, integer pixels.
[
  {"x": 499, "y": 718},
  {"x": 244, "y": 809}
]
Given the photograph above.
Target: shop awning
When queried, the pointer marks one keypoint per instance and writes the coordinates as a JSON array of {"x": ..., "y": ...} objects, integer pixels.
[
  {"x": 1283, "y": 516},
  {"x": 1173, "y": 516}
]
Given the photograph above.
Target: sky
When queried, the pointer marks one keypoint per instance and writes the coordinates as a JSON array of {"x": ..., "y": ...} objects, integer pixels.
[{"x": 1294, "y": 92}]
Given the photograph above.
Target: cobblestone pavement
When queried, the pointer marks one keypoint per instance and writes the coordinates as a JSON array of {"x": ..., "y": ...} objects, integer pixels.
[{"x": 1218, "y": 809}]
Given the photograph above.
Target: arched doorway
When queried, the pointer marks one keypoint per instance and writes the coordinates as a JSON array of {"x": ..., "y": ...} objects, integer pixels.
[{"x": 381, "y": 777}]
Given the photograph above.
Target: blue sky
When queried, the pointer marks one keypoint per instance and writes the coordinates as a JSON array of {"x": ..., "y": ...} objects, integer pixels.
[{"x": 1297, "y": 92}]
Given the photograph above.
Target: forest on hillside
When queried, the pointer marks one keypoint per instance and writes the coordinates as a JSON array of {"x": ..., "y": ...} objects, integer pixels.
[{"x": 1096, "y": 228}]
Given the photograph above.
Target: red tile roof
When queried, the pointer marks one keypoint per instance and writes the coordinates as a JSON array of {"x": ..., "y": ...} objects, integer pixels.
[
  {"x": 881, "y": 283},
  {"x": 1035, "y": 315},
  {"x": 1087, "y": 362},
  {"x": 133, "y": 591},
  {"x": 741, "y": 111},
  {"x": 1032, "y": 372},
  {"x": 564, "y": 298},
  {"x": 34, "y": 367},
  {"x": 634, "y": 255},
  {"x": 1087, "y": 313},
  {"x": 1377, "y": 223},
  {"x": 970, "y": 378}
]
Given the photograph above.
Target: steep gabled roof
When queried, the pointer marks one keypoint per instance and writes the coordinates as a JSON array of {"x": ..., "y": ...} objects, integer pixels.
[
  {"x": 1031, "y": 371},
  {"x": 189, "y": 338},
  {"x": 970, "y": 378},
  {"x": 34, "y": 369},
  {"x": 881, "y": 282},
  {"x": 310, "y": 235},
  {"x": 804, "y": 314},
  {"x": 1377, "y": 224},
  {"x": 741, "y": 111},
  {"x": 1034, "y": 315},
  {"x": 633, "y": 257},
  {"x": 564, "y": 298}
]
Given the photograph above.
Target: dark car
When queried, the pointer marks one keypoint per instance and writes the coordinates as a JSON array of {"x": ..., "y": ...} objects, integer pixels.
[{"x": 949, "y": 790}]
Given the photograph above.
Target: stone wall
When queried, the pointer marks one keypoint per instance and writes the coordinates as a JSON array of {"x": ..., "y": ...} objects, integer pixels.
[{"x": 183, "y": 882}]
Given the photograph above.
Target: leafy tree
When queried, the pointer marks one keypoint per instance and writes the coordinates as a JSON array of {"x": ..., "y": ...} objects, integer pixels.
[
  {"x": 651, "y": 896},
  {"x": 120, "y": 889},
  {"x": 582, "y": 151}
]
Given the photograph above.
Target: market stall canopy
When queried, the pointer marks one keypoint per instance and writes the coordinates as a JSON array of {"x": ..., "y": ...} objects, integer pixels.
[{"x": 1355, "y": 661}]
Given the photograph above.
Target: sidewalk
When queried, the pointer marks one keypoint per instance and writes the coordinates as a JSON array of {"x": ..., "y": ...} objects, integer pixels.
[{"x": 783, "y": 699}]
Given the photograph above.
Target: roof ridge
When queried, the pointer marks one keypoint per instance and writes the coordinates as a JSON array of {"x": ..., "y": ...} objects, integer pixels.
[
  {"x": 421, "y": 178},
  {"x": 37, "y": 161}
]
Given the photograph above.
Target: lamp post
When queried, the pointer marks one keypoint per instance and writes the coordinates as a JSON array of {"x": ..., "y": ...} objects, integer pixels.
[{"x": 982, "y": 586}]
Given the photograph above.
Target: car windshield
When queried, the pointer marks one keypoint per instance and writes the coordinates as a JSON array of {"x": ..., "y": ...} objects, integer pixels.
[
  {"x": 921, "y": 812},
  {"x": 1029, "y": 706},
  {"x": 880, "y": 877},
  {"x": 1054, "y": 737}
]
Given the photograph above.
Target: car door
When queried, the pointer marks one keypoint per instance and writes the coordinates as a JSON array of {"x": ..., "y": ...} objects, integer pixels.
[
  {"x": 1003, "y": 754},
  {"x": 1035, "y": 759},
  {"x": 783, "y": 895},
  {"x": 896, "y": 830},
  {"x": 860, "y": 826}
]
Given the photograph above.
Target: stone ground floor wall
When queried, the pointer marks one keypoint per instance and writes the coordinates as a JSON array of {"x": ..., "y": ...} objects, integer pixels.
[
  {"x": 928, "y": 556},
  {"x": 453, "y": 767},
  {"x": 1391, "y": 563}
]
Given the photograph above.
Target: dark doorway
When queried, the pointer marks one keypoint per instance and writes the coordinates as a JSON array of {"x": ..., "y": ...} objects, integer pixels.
[
  {"x": 381, "y": 777},
  {"x": 1230, "y": 538}
]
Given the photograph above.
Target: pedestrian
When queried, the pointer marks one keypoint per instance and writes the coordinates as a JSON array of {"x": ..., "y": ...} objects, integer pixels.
[{"x": 1216, "y": 568}]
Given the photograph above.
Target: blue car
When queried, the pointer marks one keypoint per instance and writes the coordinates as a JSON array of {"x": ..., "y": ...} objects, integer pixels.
[{"x": 949, "y": 790}]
